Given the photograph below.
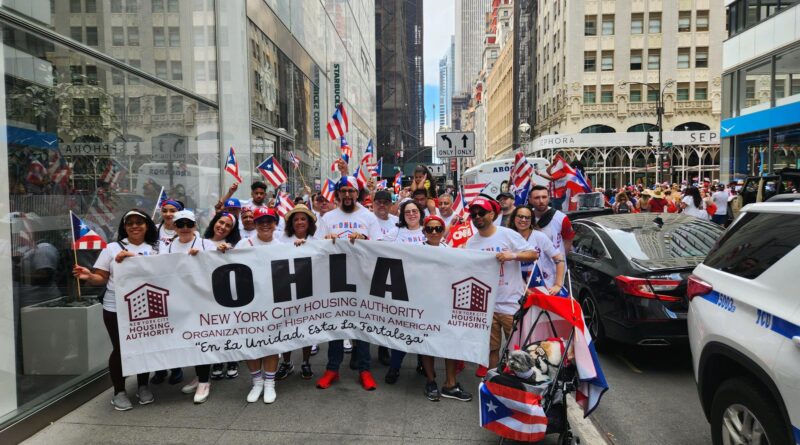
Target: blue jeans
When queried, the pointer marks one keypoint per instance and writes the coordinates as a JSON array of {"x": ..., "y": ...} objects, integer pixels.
[
  {"x": 719, "y": 219},
  {"x": 336, "y": 355},
  {"x": 396, "y": 358}
]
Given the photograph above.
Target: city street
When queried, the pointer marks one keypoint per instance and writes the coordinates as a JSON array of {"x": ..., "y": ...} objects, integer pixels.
[{"x": 653, "y": 397}]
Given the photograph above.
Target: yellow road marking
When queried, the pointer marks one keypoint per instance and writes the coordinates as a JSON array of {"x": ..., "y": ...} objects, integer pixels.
[{"x": 629, "y": 364}]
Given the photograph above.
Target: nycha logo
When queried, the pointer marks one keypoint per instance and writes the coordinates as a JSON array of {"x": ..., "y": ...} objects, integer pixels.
[
  {"x": 470, "y": 303},
  {"x": 147, "y": 312}
]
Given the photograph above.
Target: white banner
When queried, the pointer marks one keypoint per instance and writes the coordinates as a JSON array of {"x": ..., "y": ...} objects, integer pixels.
[
  {"x": 637, "y": 139},
  {"x": 177, "y": 310}
]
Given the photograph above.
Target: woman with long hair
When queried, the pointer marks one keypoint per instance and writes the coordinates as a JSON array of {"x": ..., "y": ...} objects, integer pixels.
[
  {"x": 622, "y": 204},
  {"x": 301, "y": 225},
  {"x": 550, "y": 260},
  {"x": 166, "y": 230},
  {"x": 137, "y": 235},
  {"x": 423, "y": 179},
  {"x": 692, "y": 203}
]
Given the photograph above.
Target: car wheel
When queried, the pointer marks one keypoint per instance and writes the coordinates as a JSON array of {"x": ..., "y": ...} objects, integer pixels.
[
  {"x": 742, "y": 414},
  {"x": 591, "y": 314}
]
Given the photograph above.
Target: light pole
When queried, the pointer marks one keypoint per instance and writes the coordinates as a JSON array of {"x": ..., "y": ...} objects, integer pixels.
[
  {"x": 659, "y": 120},
  {"x": 524, "y": 135}
]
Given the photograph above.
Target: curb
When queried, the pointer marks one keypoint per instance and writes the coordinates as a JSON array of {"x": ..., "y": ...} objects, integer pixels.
[{"x": 582, "y": 427}]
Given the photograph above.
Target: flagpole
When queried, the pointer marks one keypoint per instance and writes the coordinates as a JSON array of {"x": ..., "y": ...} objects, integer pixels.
[
  {"x": 158, "y": 202},
  {"x": 74, "y": 252}
]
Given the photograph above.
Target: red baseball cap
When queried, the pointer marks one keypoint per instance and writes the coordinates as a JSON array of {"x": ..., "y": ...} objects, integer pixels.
[
  {"x": 263, "y": 212},
  {"x": 430, "y": 218},
  {"x": 489, "y": 205}
]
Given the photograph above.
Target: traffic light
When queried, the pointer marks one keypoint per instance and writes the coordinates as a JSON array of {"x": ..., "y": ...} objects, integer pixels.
[{"x": 649, "y": 139}]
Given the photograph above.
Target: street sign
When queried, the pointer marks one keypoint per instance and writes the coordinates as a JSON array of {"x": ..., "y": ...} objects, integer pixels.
[
  {"x": 169, "y": 148},
  {"x": 454, "y": 164},
  {"x": 437, "y": 169},
  {"x": 455, "y": 144}
]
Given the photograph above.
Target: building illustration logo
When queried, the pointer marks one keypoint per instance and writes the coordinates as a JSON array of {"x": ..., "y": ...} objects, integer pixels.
[
  {"x": 147, "y": 302},
  {"x": 471, "y": 295}
]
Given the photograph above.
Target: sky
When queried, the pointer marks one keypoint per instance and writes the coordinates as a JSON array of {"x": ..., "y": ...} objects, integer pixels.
[{"x": 438, "y": 25}]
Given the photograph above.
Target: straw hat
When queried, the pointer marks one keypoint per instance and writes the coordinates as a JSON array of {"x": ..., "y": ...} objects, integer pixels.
[
  {"x": 659, "y": 193},
  {"x": 301, "y": 208}
]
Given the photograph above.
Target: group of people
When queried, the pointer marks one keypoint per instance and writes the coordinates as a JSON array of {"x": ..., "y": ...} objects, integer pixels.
[
  {"x": 709, "y": 201},
  {"x": 518, "y": 236}
]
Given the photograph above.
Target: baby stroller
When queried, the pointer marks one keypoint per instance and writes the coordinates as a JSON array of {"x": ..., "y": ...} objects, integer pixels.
[{"x": 535, "y": 400}]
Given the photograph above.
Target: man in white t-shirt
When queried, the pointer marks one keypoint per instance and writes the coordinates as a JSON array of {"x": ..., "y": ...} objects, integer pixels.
[
  {"x": 381, "y": 204},
  {"x": 510, "y": 248},
  {"x": 554, "y": 223},
  {"x": 720, "y": 198},
  {"x": 349, "y": 221},
  {"x": 446, "y": 208}
]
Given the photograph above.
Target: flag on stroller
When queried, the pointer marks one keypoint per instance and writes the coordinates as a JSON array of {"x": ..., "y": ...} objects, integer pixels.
[{"x": 512, "y": 413}]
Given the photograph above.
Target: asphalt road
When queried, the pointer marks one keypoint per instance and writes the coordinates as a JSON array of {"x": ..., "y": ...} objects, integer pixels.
[{"x": 653, "y": 397}]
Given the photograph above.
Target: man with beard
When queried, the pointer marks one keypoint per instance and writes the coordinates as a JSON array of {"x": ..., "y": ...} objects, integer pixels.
[
  {"x": 349, "y": 221},
  {"x": 506, "y": 201},
  {"x": 510, "y": 249},
  {"x": 555, "y": 224}
]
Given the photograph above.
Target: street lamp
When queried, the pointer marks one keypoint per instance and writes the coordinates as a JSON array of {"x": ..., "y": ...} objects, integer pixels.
[
  {"x": 659, "y": 116},
  {"x": 524, "y": 134}
]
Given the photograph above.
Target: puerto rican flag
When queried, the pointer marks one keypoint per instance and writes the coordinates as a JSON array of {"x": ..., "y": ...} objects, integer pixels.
[
  {"x": 113, "y": 174},
  {"x": 512, "y": 413},
  {"x": 328, "y": 190},
  {"x": 361, "y": 178},
  {"x": 84, "y": 238},
  {"x": 471, "y": 191},
  {"x": 338, "y": 125},
  {"x": 368, "y": 152},
  {"x": 566, "y": 314},
  {"x": 381, "y": 185},
  {"x": 564, "y": 178},
  {"x": 459, "y": 206},
  {"x": 36, "y": 172},
  {"x": 347, "y": 152},
  {"x": 520, "y": 179},
  {"x": 398, "y": 182},
  {"x": 273, "y": 172},
  {"x": 232, "y": 166},
  {"x": 294, "y": 160},
  {"x": 376, "y": 169},
  {"x": 283, "y": 204}
]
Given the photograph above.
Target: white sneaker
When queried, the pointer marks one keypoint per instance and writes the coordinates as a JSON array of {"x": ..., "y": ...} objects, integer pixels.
[
  {"x": 203, "y": 390},
  {"x": 191, "y": 387},
  {"x": 314, "y": 349},
  {"x": 348, "y": 347},
  {"x": 269, "y": 391},
  {"x": 255, "y": 391}
]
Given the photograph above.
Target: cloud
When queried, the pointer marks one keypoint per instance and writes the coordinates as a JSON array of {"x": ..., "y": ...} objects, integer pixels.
[{"x": 438, "y": 26}]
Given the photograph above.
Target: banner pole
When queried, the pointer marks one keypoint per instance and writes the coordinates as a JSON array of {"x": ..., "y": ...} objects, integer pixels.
[{"x": 74, "y": 252}]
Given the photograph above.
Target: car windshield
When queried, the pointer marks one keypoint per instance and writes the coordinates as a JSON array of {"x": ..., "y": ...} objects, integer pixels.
[{"x": 680, "y": 239}]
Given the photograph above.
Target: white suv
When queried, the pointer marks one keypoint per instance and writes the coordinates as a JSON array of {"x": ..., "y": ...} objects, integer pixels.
[{"x": 744, "y": 328}]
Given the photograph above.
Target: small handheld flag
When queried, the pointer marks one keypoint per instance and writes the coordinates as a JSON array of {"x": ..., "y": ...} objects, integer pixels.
[
  {"x": 283, "y": 204},
  {"x": 346, "y": 150},
  {"x": 368, "y": 152},
  {"x": 84, "y": 238},
  {"x": 398, "y": 182},
  {"x": 273, "y": 172},
  {"x": 232, "y": 166},
  {"x": 328, "y": 190},
  {"x": 294, "y": 160},
  {"x": 338, "y": 125}
]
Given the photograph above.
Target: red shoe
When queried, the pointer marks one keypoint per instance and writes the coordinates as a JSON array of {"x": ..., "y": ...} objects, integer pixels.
[
  {"x": 367, "y": 382},
  {"x": 481, "y": 371},
  {"x": 327, "y": 379},
  {"x": 459, "y": 366}
]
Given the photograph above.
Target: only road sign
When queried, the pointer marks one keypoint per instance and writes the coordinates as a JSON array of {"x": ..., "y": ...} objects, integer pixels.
[{"x": 455, "y": 144}]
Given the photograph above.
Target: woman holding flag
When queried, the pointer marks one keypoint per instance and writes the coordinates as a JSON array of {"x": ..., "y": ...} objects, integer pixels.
[
  {"x": 550, "y": 263},
  {"x": 137, "y": 235}
]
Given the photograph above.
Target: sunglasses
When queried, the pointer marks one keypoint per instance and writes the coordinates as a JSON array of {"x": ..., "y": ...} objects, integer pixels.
[
  {"x": 184, "y": 223},
  {"x": 477, "y": 213},
  {"x": 434, "y": 229},
  {"x": 266, "y": 220}
]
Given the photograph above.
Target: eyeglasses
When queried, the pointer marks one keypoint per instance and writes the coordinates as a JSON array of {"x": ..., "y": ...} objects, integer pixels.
[
  {"x": 477, "y": 213},
  {"x": 524, "y": 217},
  {"x": 135, "y": 222},
  {"x": 411, "y": 212},
  {"x": 348, "y": 191},
  {"x": 432, "y": 229},
  {"x": 184, "y": 223}
]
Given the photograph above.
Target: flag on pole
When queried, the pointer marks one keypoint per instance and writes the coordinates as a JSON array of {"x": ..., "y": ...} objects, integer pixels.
[
  {"x": 361, "y": 178},
  {"x": 376, "y": 169},
  {"x": 232, "y": 166},
  {"x": 471, "y": 191},
  {"x": 328, "y": 190},
  {"x": 294, "y": 160},
  {"x": 338, "y": 125},
  {"x": 565, "y": 177},
  {"x": 382, "y": 184},
  {"x": 84, "y": 238},
  {"x": 160, "y": 201},
  {"x": 283, "y": 204},
  {"x": 113, "y": 173},
  {"x": 512, "y": 413},
  {"x": 368, "y": 152},
  {"x": 272, "y": 171},
  {"x": 520, "y": 179},
  {"x": 398, "y": 182},
  {"x": 347, "y": 152},
  {"x": 459, "y": 207},
  {"x": 36, "y": 173}
]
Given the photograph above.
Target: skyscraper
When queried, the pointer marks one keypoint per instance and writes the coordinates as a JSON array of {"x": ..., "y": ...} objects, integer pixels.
[
  {"x": 446, "y": 77},
  {"x": 470, "y": 17}
]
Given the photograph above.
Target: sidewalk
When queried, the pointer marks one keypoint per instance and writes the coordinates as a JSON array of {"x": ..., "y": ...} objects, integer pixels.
[{"x": 345, "y": 413}]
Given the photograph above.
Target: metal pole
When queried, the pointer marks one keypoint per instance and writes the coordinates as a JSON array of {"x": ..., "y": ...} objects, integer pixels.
[{"x": 660, "y": 114}]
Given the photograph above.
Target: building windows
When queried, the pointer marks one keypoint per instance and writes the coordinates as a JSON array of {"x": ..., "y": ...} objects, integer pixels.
[
  {"x": 91, "y": 75},
  {"x": 607, "y": 61},
  {"x": 75, "y": 6},
  {"x": 132, "y": 6},
  {"x": 161, "y": 69},
  {"x": 590, "y": 25},
  {"x": 683, "y": 58},
  {"x": 701, "y": 57},
  {"x": 117, "y": 78},
  {"x": 176, "y": 104},
  {"x": 91, "y": 6},
  {"x": 78, "y": 107},
  {"x": 683, "y": 91},
  {"x": 701, "y": 22},
  {"x": 174, "y": 36},
  {"x": 744, "y": 14},
  {"x": 637, "y": 23},
  {"x": 636, "y": 93},
  {"x": 589, "y": 94},
  {"x": 652, "y": 93},
  {"x": 117, "y": 36},
  {"x": 654, "y": 23},
  {"x": 654, "y": 59},
  {"x": 172, "y": 6},
  {"x": 160, "y": 104},
  {"x": 636, "y": 59},
  {"x": 685, "y": 21},
  {"x": 135, "y": 105},
  {"x": 700, "y": 91},
  {"x": 787, "y": 71},
  {"x": 116, "y": 6},
  {"x": 133, "y": 36},
  {"x": 177, "y": 70},
  {"x": 590, "y": 61},
  {"x": 76, "y": 33},
  {"x": 199, "y": 34},
  {"x": 607, "y": 94},
  {"x": 94, "y": 106},
  {"x": 134, "y": 80},
  {"x": 608, "y": 25},
  {"x": 200, "y": 73},
  {"x": 157, "y": 6},
  {"x": 91, "y": 36},
  {"x": 159, "y": 38}
]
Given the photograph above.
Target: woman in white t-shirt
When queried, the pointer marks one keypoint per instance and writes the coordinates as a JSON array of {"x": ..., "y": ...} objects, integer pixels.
[
  {"x": 248, "y": 225},
  {"x": 692, "y": 203},
  {"x": 551, "y": 261},
  {"x": 137, "y": 235},
  {"x": 166, "y": 230},
  {"x": 262, "y": 370},
  {"x": 301, "y": 225}
]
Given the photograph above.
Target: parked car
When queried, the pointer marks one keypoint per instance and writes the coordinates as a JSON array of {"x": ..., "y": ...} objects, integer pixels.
[
  {"x": 762, "y": 188},
  {"x": 744, "y": 327},
  {"x": 629, "y": 273}
]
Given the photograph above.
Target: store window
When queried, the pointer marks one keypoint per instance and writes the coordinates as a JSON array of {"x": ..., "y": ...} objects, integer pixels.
[
  {"x": 755, "y": 87},
  {"x": 67, "y": 122},
  {"x": 787, "y": 77},
  {"x": 786, "y": 148}
]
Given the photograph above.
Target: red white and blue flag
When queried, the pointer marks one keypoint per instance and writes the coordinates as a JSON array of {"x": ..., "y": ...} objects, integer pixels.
[
  {"x": 368, "y": 152},
  {"x": 232, "y": 166},
  {"x": 347, "y": 152},
  {"x": 398, "y": 182},
  {"x": 338, "y": 125},
  {"x": 376, "y": 169},
  {"x": 113, "y": 173},
  {"x": 520, "y": 179},
  {"x": 162, "y": 198},
  {"x": 283, "y": 204},
  {"x": 272, "y": 171},
  {"x": 564, "y": 178},
  {"x": 294, "y": 160},
  {"x": 459, "y": 207},
  {"x": 328, "y": 190},
  {"x": 382, "y": 184},
  {"x": 361, "y": 178},
  {"x": 84, "y": 238},
  {"x": 471, "y": 191},
  {"x": 512, "y": 413}
]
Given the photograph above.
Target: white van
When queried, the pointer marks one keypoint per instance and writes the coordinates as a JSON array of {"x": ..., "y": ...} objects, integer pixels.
[
  {"x": 201, "y": 184},
  {"x": 496, "y": 174}
]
